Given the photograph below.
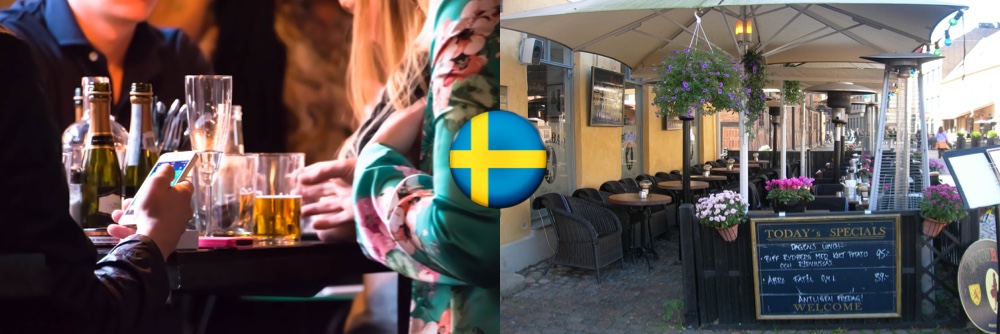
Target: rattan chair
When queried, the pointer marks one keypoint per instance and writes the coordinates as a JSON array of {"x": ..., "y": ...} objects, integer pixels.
[{"x": 590, "y": 236}]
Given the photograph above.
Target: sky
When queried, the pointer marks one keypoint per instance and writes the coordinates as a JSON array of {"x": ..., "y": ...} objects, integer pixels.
[{"x": 979, "y": 11}]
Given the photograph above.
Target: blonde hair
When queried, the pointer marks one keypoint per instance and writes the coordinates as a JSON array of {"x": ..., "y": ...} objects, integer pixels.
[{"x": 398, "y": 24}]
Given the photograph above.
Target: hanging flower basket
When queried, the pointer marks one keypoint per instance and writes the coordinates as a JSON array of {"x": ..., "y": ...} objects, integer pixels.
[
  {"x": 754, "y": 79},
  {"x": 932, "y": 227},
  {"x": 724, "y": 212},
  {"x": 940, "y": 206},
  {"x": 695, "y": 79},
  {"x": 729, "y": 233}
]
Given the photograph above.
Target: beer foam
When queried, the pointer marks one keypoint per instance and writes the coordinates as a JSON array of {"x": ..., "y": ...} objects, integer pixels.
[{"x": 280, "y": 196}]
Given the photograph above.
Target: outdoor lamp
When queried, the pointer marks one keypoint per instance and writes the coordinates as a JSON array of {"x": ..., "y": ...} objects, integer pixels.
[
  {"x": 707, "y": 170},
  {"x": 739, "y": 27},
  {"x": 947, "y": 38}
]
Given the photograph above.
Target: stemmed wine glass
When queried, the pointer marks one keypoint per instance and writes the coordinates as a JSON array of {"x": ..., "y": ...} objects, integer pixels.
[{"x": 209, "y": 112}]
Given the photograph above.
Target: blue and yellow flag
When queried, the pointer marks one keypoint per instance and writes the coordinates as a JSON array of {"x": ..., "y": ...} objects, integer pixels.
[{"x": 498, "y": 159}]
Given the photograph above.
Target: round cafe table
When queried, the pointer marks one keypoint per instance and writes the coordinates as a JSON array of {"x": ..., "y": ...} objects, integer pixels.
[
  {"x": 679, "y": 185},
  {"x": 643, "y": 204},
  {"x": 708, "y": 178}
]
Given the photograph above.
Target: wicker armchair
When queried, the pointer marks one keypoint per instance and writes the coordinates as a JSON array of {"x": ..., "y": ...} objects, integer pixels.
[{"x": 590, "y": 237}]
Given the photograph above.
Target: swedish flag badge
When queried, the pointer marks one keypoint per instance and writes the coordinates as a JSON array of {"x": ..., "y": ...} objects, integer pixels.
[{"x": 498, "y": 159}]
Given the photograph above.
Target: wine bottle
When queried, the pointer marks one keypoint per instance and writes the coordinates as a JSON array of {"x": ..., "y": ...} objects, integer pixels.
[
  {"x": 236, "y": 141},
  {"x": 102, "y": 176},
  {"x": 74, "y": 173},
  {"x": 74, "y": 138},
  {"x": 140, "y": 156}
]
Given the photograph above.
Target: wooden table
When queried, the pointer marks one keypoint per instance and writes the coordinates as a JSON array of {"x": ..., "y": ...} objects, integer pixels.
[
  {"x": 759, "y": 162},
  {"x": 679, "y": 185},
  {"x": 735, "y": 170},
  {"x": 708, "y": 178},
  {"x": 298, "y": 270},
  {"x": 644, "y": 204}
]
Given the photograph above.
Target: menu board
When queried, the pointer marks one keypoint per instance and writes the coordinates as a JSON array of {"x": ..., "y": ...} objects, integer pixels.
[{"x": 827, "y": 267}]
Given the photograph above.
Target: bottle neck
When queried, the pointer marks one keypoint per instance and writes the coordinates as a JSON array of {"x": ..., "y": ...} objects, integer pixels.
[
  {"x": 100, "y": 120},
  {"x": 143, "y": 104}
]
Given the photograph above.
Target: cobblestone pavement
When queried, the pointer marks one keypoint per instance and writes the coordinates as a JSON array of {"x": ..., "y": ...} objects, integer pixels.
[
  {"x": 569, "y": 300},
  {"x": 630, "y": 300}
]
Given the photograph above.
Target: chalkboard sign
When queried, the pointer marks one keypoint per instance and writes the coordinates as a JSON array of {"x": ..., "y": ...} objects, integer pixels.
[{"x": 826, "y": 267}]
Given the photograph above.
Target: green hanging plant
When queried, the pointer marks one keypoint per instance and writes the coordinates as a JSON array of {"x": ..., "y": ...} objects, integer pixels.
[
  {"x": 695, "y": 80},
  {"x": 793, "y": 93},
  {"x": 755, "y": 68}
]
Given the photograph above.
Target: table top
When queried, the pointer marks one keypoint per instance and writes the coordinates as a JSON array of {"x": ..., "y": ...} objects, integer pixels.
[
  {"x": 735, "y": 170},
  {"x": 708, "y": 178},
  {"x": 679, "y": 185},
  {"x": 305, "y": 266},
  {"x": 759, "y": 162},
  {"x": 632, "y": 199}
]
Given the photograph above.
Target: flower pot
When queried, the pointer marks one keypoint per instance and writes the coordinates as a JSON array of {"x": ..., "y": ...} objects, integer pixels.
[
  {"x": 728, "y": 234},
  {"x": 790, "y": 206},
  {"x": 975, "y": 142},
  {"x": 933, "y": 227}
]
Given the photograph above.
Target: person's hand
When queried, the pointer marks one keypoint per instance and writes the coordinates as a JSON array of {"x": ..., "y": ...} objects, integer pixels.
[
  {"x": 163, "y": 214},
  {"x": 326, "y": 196},
  {"x": 402, "y": 128}
]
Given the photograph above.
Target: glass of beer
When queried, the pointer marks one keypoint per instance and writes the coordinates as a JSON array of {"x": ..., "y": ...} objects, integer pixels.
[{"x": 276, "y": 211}]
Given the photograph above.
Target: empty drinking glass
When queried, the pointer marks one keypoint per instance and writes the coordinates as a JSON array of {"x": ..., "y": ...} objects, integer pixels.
[{"x": 231, "y": 212}]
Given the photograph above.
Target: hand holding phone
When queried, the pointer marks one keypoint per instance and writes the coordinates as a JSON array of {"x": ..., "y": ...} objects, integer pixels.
[{"x": 181, "y": 163}]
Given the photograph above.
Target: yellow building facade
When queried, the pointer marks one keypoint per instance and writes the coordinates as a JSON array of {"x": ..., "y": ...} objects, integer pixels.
[{"x": 557, "y": 95}]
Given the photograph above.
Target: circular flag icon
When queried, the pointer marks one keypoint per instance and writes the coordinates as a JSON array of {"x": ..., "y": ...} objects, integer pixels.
[{"x": 498, "y": 159}]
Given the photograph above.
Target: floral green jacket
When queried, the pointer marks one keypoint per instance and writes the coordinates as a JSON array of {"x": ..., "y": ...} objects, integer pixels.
[{"x": 410, "y": 214}]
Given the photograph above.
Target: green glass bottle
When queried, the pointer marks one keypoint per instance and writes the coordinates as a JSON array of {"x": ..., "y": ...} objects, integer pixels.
[
  {"x": 140, "y": 155},
  {"x": 102, "y": 176}
]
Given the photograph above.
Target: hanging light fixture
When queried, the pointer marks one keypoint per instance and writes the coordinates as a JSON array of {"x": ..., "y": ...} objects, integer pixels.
[
  {"x": 937, "y": 49},
  {"x": 947, "y": 38},
  {"x": 954, "y": 21},
  {"x": 739, "y": 27},
  {"x": 749, "y": 25}
]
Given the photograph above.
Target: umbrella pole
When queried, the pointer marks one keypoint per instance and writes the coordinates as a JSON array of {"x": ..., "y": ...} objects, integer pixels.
[
  {"x": 924, "y": 163},
  {"x": 802, "y": 149},
  {"x": 686, "y": 156},
  {"x": 743, "y": 156},
  {"x": 784, "y": 134}
]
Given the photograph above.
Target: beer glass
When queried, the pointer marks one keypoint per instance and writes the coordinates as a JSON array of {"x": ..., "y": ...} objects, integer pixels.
[
  {"x": 276, "y": 211},
  {"x": 231, "y": 208}
]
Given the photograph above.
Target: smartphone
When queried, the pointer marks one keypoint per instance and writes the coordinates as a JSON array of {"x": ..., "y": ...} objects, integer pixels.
[
  {"x": 182, "y": 162},
  {"x": 225, "y": 242}
]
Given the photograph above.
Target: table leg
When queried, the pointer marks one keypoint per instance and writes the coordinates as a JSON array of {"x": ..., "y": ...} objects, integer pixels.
[{"x": 648, "y": 215}]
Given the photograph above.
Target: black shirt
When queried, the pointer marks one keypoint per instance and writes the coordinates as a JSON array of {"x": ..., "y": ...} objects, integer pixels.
[
  {"x": 63, "y": 291},
  {"x": 63, "y": 55}
]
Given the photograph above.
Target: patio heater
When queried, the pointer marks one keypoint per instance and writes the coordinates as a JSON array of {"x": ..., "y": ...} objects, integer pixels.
[
  {"x": 893, "y": 192},
  {"x": 838, "y": 98}
]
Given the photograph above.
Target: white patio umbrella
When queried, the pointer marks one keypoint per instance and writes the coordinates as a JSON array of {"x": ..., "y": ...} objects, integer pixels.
[{"x": 640, "y": 33}]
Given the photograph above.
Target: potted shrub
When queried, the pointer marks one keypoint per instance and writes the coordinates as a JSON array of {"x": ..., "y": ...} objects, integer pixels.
[
  {"x": 961, "y": 139},
  {"x": 940, "y": 206},
  {"x": 975, "y": 135},
  {"x": 696, "y": 80},
  {"x": 991, "y": 138},
  {"x": 936, "y": 165},
  {"x": 724, "y": 212},
  {"x": 790, "y": 195}
]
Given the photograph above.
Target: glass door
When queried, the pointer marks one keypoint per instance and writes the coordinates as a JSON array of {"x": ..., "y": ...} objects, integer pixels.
[
  {"x": 548, "y": 87},
  {"x": 632, "y": 132}
]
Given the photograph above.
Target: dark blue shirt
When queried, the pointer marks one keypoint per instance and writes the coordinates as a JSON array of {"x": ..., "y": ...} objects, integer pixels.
[{"x": 161, "y": 57}]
